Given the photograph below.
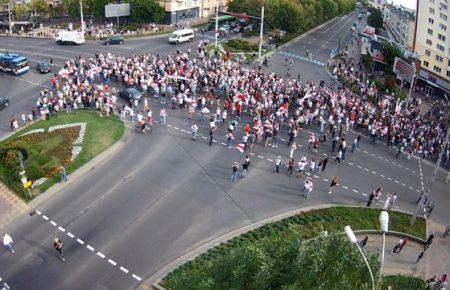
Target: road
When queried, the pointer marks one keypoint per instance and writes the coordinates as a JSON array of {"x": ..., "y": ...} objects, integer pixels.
[{"x": 164, "y": 194}]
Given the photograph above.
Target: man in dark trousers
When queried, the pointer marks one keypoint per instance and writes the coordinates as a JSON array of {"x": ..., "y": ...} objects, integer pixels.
[
  {"x": 429, "y": 241},
  {"x": 371, "y": 197},
  {"x": 211, "y": 133},
  {"x": 324, "y": 163}
]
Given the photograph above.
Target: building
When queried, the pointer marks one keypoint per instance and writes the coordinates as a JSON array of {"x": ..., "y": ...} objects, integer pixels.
[
  {"x": 432, "y": 44},
  {"x": 401, "y": 25},
  {"x": 181, "y": 11}
]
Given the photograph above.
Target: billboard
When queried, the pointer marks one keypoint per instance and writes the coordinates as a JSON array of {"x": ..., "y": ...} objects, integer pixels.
[
  {"x": 404, "y": 71},
  {"x": 117, "y": 10}
]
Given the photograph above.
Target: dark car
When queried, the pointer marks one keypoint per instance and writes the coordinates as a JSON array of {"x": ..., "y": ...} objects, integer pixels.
[
  {"x": 4, "y": 102},
  {"x": 130, "y": 94},
  {"x": 116, "y": 39},
  {"x": 44, "y": 67}
]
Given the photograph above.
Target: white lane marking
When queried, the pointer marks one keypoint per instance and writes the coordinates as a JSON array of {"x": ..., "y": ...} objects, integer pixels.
[
  {"x": 417, "y": 190},
  {"x": 223, "y": 144},
  {"x": 38, "y": 212},
  {"x": 366, "y": 169},
  {"x": 382, "y": 175},
  {"x": 325, "y": 180},
  {"x": 365, "y": 194},
  {"x": 350, "y": 163},
  {"x": 354, "y": 190},
  {"x": 259, "y": 156},
  {"x": 136, "y": 277},
  {"x": 81, "y": 242},
  {"x": 62, "y": 229},
  {"x": 53, "y": 223},
  {"x": 374, "y": 172},
  {"x": 268, "y": 159},
  {"x": 204, "y": 137},
  {"x": 112, "y": 262},
  {"x": 70, "y": 235},
  {"x": 316, "y": 176},
  {"x": 176, "y": 128},
  {"x": 101, "y": 255},
  {"x": 411, "y": 188},
  {"x": 91, "y": 248},
  {"x": 125, "y": 270},
  {"x": 45, "y": 217},
  {"x": 403, "y": 184},
  {"x": 251, "y": 153},
  {"x": 389, "y": 178},
  {"x": 396, "y": 181},
  {"x": 345, "y": 186}
]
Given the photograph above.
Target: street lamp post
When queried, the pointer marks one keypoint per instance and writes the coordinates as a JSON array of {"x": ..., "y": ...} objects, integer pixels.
[
  {"x": 81, "y": 16},
  {"x": 351, "y": 236},
  {"x": 216, "y": 33},
  {"x": 384, "y": 222},
  {"x": 261, "y": 33},
  {"x": 9, "y": 17}
]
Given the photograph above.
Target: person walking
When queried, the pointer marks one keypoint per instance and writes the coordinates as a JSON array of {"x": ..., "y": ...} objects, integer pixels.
[
  {"x": 371, "y": 197},
  {"x": 163, "y": 115},
  {"x": 234, "y": 172},
  {"x": 324, "y": 163},
  {"x": 338, "y": 157},
  {"x": 307, "y": 187},
  {"x": 8, "y": 242},
  {"x": 431, "y": 282},
  {"x": 277, "y": 165},
  {"x": 354, "y": 144},
  {"x": 230, "y": 138},
  {"x": 400, "y": 245},
  {"x": 290, "y": 167},
  {"x": 333, "y": 184},
  {"x": 62, "y": 173},
  {"x": 245, "y": 166},
  {"x": 420, "y": 256},
  {"x": 194, "y": 130},
  {"x": 211, "y": 135},
  {"x": 392, "y": 201},
  {"x": 292, "y": 150},
  {"x": 58, "y": 247},
  {"x": 363, "y": 243},
  {"x": 429, "y": 241}
]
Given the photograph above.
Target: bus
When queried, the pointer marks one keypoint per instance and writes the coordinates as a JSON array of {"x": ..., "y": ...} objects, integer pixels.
[
  {"x": 13, "y": 63},
  {"x": 222, "y": 20}
]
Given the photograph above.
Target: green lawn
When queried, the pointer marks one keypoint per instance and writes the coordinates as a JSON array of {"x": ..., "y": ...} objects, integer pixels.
[
  {"x": 207, "y": 270},
  {"x": 45, "y": 152},
  {"x": 400, "y": 282}
]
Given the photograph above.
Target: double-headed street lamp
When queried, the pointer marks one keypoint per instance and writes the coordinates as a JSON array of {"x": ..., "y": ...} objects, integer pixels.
[{"x": 384, "y": 224}]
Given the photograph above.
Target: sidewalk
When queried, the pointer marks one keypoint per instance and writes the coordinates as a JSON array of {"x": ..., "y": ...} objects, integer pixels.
[
  {"x": 11, "y": 206},
  {"x": 436, "y": 260}
]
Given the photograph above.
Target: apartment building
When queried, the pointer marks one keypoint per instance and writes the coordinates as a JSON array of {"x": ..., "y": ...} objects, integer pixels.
[
  {"x": 432, "y": 43},
  {"x": 179, "y": 11},
  {"x": 401, "y": 24}
]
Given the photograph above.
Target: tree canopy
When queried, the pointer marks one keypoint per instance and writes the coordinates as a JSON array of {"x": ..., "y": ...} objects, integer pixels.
[
  {"x": 294, "y": 16},
  {"x": 375, "y": 18}
]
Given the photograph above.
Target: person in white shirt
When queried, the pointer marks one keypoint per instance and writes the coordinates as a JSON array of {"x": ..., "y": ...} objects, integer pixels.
[
  {"x": 194, "y": 130},
  {"x": 8, "y": 242}
]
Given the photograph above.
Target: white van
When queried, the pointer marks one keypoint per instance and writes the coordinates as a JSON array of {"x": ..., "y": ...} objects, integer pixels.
[
  {"x": 69, "y": 37},
  {"x": 182, "y": 35}
]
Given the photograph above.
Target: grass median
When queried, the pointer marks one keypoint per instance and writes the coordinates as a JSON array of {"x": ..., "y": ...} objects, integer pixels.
[
  {"x": 44, "y": 151},
  {"x": 261, "y": 258}
]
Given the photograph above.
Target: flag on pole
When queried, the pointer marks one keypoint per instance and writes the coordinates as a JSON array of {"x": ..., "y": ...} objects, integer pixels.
[{"x": 240, "y": 147}]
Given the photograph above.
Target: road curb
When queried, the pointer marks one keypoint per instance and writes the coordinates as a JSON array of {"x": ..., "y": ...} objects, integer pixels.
[{"x": 155, "y": 279}]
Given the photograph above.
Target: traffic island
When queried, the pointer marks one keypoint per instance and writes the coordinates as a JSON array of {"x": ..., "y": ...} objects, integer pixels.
[
  {"x": 44, "y": 153},
  {"x": 304, "y": 251}
]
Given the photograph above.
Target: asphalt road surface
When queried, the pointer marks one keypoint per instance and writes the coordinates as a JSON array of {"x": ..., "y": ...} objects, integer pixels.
[{"x": 163, "y": 194}]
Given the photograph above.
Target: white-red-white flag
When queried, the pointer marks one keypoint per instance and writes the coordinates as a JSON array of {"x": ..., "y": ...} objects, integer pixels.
[{"x": 240, "y": 147}]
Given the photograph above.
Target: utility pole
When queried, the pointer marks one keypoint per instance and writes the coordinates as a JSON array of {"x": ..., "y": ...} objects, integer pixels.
[
  {"x": 9, "y": 17},
  {"x": 427, "y": 192},
  {"x": 217, "y": 23},
  {"x": 411, "y": 85},
  {"x": 261, "y": 33},
  {"x": 81, "y": 16}
]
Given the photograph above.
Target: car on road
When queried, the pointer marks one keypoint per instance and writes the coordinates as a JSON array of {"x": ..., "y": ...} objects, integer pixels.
[
  {"x": 225, "y": 28},
  {"x": 4, "y": 102},
  {"x": 43, "y": 67},
  {"x": 181, "y": 35},
  {"x": 115, "y": 39},
  {"x": 130, "y": 94}
]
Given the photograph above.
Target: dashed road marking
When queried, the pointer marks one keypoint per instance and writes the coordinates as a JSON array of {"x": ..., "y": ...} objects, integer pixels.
[
  {"x": 81, "y": 242},
  {"x": 53, "y": 223},
  {"x": 62, "y": 229},
  {"x": 112, "y": 262},
  {"x": 45, "y": 217},
  {"x": 123, "y": 269},
  {"x": 101, "y": 255},
  {"x": 136, "y": 277},
  {"x": 70, "y": 235},
  {"x": 90, "y": 248},
  {"x": 38, "y": 212}
]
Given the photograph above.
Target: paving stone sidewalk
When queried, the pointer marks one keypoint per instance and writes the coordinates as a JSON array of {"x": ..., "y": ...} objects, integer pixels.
[{"x": 11, "y": 206}]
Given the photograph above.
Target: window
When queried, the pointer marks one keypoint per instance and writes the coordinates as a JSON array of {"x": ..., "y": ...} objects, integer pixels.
[
  {"x": 437, "y": 69},
  {"x": 432, "y": 1},
  {"x": 443, "y": 6},
  {"x": 441, "y": 37},
  {"x": 440, "y": 47},
  {"x": 427, "y": 52},
  {"x": 426, "y": 63},
  {"x": 442, "y": 26},
  {"x": 430, "y": 31},
  {"x": 431, "y": 10},
  {"x": 448, "y": 73},
  {"x": 429, "y": 42},
  {"x": 430, "y": 20},
  {"x": 439, "y": 58},
  {"x": 443, "y": 16}
]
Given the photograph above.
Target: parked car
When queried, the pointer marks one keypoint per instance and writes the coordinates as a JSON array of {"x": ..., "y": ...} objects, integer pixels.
[
  {"x": 225, "y": 28},
  {"x": 130, "y": 94},
  {"x": 116, "y": 39},
  {"x": 44, "y": 67},
  {"x": 4, "y": 102}
]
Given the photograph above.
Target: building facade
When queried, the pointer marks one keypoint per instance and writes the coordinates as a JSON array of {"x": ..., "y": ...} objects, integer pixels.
[
  {"x": 401, "y": 25},
  {"x": 182, "y": 11},
  {"x": 432, "y": 44}
]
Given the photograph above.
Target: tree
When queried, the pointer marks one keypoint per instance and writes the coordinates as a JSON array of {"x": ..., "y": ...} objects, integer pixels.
[
  {"x": 19, "y": 10},
  {"x": 390, "y": 52},
  {"x": 330, "y": 8},
  {"x": 38, "y": 6},
  {"x": 375, "y": 19},
  {"x": 146, "y": 11}
]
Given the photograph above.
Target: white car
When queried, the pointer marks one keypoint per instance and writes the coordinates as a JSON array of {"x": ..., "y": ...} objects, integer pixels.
[
  {"x": 181, "y": 35},
  {"x": 69, "y": 37}
]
